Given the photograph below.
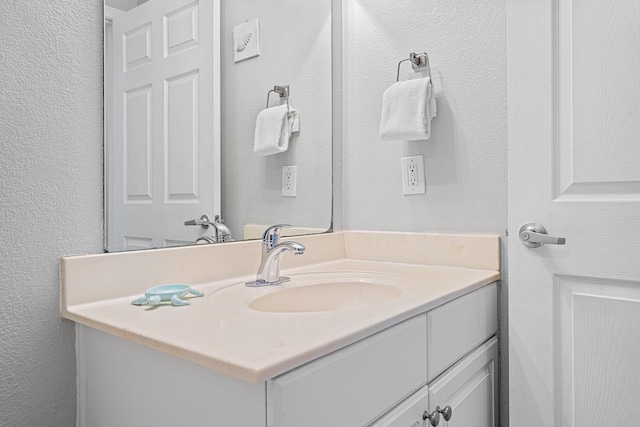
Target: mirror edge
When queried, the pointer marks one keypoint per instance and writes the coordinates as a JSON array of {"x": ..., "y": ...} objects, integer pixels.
[{"x": 336, "y": 223}]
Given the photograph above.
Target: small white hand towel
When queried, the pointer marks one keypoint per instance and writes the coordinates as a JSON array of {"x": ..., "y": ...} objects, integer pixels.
[
  {"x": 274, "y": 127},
  {"x": 407, "y": 109}
]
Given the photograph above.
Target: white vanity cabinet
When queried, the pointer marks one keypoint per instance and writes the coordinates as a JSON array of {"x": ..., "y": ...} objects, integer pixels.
[
  {"x": 446, "y": 356},
  {"x": 469, "y": 389}
]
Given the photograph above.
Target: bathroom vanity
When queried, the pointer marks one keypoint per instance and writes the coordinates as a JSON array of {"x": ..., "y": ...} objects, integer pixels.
[
  {"x": 391, "y": 359},
  {"x": 396, "y": 373}
]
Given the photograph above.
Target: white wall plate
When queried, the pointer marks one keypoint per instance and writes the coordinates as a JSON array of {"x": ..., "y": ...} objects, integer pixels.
[
  {"x": 413, "y": 177},
  {"x": 246, "y": 40}
]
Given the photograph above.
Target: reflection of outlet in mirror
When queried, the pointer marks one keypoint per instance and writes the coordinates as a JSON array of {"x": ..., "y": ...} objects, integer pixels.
[
  {"x": 413, "y": 181},
  {"x": 289, "y": 181}
]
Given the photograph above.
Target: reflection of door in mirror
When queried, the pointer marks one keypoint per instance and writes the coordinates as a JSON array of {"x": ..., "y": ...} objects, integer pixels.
[{"x": 162, "y": 98}]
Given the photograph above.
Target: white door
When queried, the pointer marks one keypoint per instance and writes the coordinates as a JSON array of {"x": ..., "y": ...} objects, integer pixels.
[
  {"x": 163, "y": 165},
  {"x": 574, "y": 167}
]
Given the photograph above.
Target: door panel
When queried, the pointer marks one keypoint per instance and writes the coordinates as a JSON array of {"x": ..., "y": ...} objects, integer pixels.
[
  {"x": 598, "y": 64},
  {"x": 598, "y": 89},
  {"x": 181, "y": 143},
  {"x": 181, "y": 29},
  {"x": 574, "y": 166},
  {"x": 601, "y": 319},
  {"x": 137, "y": 145}
]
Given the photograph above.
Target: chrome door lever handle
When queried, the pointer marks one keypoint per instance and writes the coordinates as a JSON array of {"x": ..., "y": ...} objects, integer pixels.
[
  {"x": 203, "y": 221},
  {"x": 534, "y": 235}
]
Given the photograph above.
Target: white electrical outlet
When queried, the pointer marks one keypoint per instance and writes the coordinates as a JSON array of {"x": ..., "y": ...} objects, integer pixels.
[
  {"x": 413, "y": 175},
  {"x": 413, "y": 180},
  {"x": 289, "y": 181}
]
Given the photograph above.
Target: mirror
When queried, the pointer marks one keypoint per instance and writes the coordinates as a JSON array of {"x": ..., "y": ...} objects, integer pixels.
[{"x": 182, "y": 94}]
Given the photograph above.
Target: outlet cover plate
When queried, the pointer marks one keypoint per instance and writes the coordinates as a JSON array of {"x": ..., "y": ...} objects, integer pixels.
[
  {"x": 413, "y": 178},
  {"x": 289, "y": 177}
]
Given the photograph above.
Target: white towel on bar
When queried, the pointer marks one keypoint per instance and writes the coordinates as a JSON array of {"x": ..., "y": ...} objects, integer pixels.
[
  {"x": 407, "y": 109},
  {"x": 274, "y": 127}
]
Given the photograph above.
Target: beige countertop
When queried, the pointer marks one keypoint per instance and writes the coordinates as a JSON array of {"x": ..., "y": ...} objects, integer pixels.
[{"x": 221, "y": 332}]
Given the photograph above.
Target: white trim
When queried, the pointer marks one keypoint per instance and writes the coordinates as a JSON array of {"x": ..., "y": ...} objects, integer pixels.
[
  {"x": 81, "y": 378},
  {"x": 111, "y": 13},
  {"x": 217, "y": 119}
]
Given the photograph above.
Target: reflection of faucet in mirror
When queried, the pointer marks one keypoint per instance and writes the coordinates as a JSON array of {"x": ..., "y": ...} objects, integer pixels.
[
  {"x": 222, "y": 232},
  {"x": 272, "y": 252}
]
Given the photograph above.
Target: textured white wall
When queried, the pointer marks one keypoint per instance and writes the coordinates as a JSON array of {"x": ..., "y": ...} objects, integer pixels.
[
  {"x": 466, "y": 157},
  {"x": 50, "y": 195},
  {"x": 295, "y": 49}
]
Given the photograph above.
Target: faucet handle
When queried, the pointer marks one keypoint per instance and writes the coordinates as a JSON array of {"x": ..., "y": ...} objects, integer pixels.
[
  {"x": 203, "y": 221},
  {"x": 272, "y": 235}
]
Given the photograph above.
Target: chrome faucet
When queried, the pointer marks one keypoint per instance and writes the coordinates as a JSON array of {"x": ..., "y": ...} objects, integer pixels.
[
  {"x": 221, "y": 231},
  {"x": 272, "y": 252}
]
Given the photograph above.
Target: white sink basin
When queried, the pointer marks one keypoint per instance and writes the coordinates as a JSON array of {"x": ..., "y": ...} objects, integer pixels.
[{"x": 329, "y": 292}]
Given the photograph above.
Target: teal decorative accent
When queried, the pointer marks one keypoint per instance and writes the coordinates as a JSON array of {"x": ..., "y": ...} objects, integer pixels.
[
  {"x": 177, "y": 301},
  {"x": 173, "y": 293}
]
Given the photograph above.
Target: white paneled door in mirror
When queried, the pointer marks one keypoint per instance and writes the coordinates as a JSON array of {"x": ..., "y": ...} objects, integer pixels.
[
  {"x": 574, "y": 166},
  {"x": 163, "y": 155}
]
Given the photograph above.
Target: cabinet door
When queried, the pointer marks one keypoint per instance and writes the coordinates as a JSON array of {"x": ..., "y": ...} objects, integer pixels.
[
  {"x": 408, "y": 413},
  {"x": 470, "y": 389}
]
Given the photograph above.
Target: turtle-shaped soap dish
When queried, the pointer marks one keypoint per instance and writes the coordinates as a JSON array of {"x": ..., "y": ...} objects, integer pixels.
[{"x": 173, "y": 293}]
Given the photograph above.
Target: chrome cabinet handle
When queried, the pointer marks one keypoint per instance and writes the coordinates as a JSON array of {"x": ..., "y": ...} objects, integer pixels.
[
  {"x": 446, "y": 412},
  {"x": 534, "y": 235},
  {"x": 434, "y": 417}
]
